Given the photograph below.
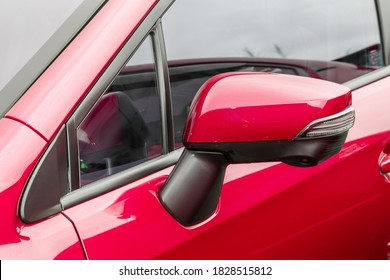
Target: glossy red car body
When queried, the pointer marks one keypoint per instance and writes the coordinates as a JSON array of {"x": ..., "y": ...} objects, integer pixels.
[
  {"x": 339, "y": 209},
  {"x": 276, "y": 91}
]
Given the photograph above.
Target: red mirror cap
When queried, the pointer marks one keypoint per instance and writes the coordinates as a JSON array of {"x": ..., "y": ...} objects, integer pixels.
[{"x": 252, "y": 107}]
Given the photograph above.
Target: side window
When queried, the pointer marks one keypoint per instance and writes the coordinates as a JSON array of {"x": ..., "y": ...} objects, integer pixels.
[
  {"x": 124, "y": 127},
  {"x": 332, "y": 40}
]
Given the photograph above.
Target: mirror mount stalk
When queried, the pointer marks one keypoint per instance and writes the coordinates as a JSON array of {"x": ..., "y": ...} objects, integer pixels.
[{"x": 191, "y": 193}]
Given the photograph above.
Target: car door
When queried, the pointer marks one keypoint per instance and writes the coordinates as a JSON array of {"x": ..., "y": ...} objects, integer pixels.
[
  {"x": 329, "y": 49},
  {"x": 336, "y": 210}
]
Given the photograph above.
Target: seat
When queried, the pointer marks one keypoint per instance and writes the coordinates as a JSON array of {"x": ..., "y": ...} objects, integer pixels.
[{"x": 112, "y": 135}]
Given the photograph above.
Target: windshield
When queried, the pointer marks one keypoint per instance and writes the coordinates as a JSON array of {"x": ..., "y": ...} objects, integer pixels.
[{"x": 33, "y": 33}]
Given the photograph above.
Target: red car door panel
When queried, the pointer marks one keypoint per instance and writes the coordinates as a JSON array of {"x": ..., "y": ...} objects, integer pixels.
[
  {"x": 338, "y": 209},
  {"x": 54, "y": 238},
  {"x": 266, "y": 210},
  {"x": 259, "y": 216}
]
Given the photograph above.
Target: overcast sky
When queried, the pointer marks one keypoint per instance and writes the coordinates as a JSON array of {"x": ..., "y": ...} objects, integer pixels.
[
  {"x": 25, "y": 25},
  {"x": 307, "y": 29},
  {"x": 310, "y": 29}
]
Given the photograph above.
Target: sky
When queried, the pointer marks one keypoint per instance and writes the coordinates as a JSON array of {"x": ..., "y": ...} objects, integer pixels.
[
  {"x": 25, "y": 25},
  {"x": 304, "y": 29},
  {"x": 308, "y": 29}
]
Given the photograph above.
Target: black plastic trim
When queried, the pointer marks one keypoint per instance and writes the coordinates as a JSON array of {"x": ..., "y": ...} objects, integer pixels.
[
  {"x": 48, "y": 183},
  {"x": 192, "y": 190},
  {"x": 301, "y": 153}
]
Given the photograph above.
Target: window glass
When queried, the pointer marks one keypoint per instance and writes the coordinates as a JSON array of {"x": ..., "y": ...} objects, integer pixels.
[
  {"x": 332, "y": 40},
  {"x": 303, "y": 29},
  {"x": 124, "y": 128}
]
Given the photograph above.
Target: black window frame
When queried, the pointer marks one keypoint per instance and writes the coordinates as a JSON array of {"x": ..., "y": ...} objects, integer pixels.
[{"x": 41, "y": 197}]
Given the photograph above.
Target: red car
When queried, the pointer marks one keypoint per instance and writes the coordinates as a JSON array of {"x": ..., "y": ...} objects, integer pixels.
[{"x": 188, "y": 129}]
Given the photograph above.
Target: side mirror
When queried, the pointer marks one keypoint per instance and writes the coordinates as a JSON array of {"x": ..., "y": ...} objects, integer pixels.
[{"x": 253, "y": 117}]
